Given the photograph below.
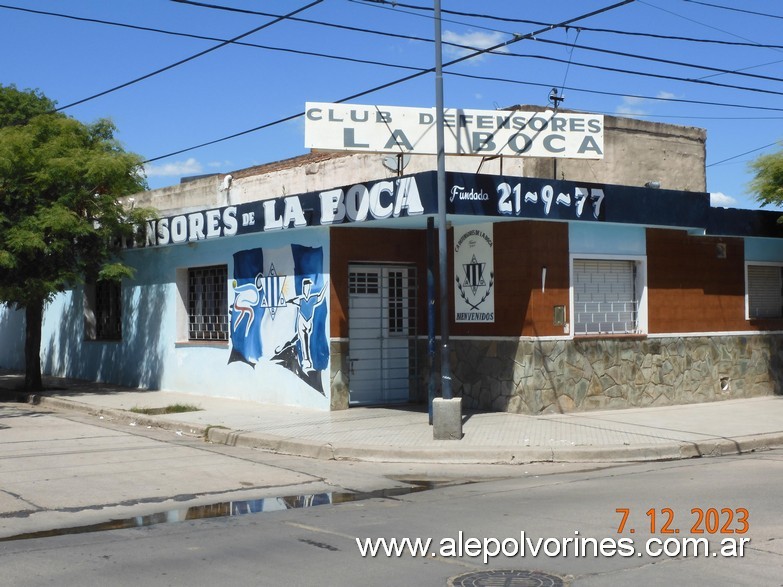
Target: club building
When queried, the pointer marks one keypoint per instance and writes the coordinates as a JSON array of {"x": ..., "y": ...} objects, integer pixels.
[{"x": 575, "y": 284}]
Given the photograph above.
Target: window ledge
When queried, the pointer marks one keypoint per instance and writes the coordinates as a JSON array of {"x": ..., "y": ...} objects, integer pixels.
[
  {"x": 610, "y": 336},
  {"x": 219, "y": 344}
]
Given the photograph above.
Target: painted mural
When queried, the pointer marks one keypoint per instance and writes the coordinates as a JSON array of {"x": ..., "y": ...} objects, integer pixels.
[{"x": 279, "y": 311}]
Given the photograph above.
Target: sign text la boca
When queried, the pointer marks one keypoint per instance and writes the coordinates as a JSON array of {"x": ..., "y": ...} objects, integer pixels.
[{"x": 357, "y": 203}]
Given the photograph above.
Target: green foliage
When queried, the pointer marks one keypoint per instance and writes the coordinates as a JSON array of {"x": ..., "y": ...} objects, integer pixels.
[
  {"x": 60, "y": 180},
  {"x": 768, "y": 181},
  {"x": 19, "y": 107}
]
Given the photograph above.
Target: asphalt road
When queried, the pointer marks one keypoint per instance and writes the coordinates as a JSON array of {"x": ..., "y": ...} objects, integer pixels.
[{"x": 76, "y": 474}]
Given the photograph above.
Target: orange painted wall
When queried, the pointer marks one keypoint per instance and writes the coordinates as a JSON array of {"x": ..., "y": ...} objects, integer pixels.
[
  {"x": 692, "y": 289},
  {"x": 351, "y": 245},
  {"x": 522, "y": 249}
]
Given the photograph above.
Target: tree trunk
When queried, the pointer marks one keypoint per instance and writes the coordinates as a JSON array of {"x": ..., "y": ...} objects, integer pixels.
[{"x": 33, "y": 314}]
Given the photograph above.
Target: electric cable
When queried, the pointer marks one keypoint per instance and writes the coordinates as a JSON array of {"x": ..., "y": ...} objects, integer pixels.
[
  {"x": 187, "y": 59},
  {"x": 206, "y": 37},
  {"x": 725, "y": 32},
  {"x": 743, "y": 154},
  {"x": 735, "y": 9},
  {"x": 394, "y": 4},
  {"x": 618, "y": 94},
  {"x": 516, "y": 39},
  {"x": 549, "y": 27},
  {"x": 386, "y": 64},
  {"x": 661, "y": 60},
  {"x": 645, "y": 74}
]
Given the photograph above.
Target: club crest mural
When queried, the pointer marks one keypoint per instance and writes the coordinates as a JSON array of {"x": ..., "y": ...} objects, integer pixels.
[{"x": 279, "y": 310}]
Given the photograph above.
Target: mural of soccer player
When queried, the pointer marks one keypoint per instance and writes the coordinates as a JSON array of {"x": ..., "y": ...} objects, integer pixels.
[
  {"x": 246, "y": 298},
  {"x": 306, "y": 303},
  {"x": 279, "y": 314}
]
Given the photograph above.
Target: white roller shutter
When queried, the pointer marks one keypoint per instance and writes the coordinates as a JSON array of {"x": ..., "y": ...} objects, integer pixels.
[
  {"x": 765, "y": 285},
  {"x": 605, "y": 300}
]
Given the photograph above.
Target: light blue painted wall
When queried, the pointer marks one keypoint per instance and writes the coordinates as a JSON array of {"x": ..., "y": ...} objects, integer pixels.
[
  {"x": 768, "y": 250},
  {"x": 593, "y": 238},
  {"x": 11, "y": 338},
  {"x": 149, "y": 356}
]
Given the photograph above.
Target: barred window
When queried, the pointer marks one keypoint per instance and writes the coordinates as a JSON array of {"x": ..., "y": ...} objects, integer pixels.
[
  {"x": 363, "y": 282},
  {"x": 208, "y": 303},
  {"x": 108, "y": 310},
  {"x": 103, "y": 310}
]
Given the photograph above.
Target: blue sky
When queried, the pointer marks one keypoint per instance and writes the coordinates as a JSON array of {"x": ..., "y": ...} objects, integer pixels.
[{"x": 238, "y": 87}]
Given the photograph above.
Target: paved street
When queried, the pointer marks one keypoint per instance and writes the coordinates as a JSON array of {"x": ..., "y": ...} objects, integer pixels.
[
  {"x": 67, "y": 469},
  {"x": 317, "y": 546},
  {"x": 402, "y": 433},
  {"x": 93, "y": 493}
]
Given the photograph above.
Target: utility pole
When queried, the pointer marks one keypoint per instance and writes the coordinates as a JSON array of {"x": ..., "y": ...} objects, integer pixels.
[{"x": 447, "y": 410}]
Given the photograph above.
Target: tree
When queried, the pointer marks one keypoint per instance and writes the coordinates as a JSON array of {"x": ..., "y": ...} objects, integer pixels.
[
  {"x": 60, "y": 219},
  {"x": 768, "y": 181}
]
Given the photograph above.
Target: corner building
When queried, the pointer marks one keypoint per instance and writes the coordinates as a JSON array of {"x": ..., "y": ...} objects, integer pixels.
[{"x": 574, "y": 285}]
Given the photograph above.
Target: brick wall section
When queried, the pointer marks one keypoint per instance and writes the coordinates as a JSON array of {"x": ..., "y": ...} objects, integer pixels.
[
  {"x": 522, "y": 249},
  {"x": 691, "y": 289},
  {"x": 351, "y": 245}
]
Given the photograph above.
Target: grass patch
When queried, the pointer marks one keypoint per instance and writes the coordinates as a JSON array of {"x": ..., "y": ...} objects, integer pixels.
[{"x": 170, "y": 409}]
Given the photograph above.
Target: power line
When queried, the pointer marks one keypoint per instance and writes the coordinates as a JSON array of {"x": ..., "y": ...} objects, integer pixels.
[
  {"x": 187, "y": 59},
  {"x": 529, "y": 35},
  {"x": 394, "y": 5},
  {"x": 725, "y": 32},
  {"x": 237, "y": 41},
  {"x": 735, "y": 9},
  {"x": 661, "y": 60},
  {"x": 516, "y": 39},
  {"x": 383, "y": 33},
  {"x": 644, "y": 73},
  {"x": 377, "y": 63},
  {"x": 383, "y": 4},
  {"x": 618, "y": 94},
  {"x": 743, "y": 154},
  {"x": 343, "y": 27},
  {"x": 208, "y": 38}
]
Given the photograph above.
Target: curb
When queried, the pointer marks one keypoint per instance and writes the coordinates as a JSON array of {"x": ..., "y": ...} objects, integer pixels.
[{"x": 448, "y": 455}]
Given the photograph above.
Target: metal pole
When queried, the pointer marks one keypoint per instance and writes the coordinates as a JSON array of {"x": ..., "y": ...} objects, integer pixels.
[
  {"x": 445, "y": 361},
  {"x": 430, "y": 313}
]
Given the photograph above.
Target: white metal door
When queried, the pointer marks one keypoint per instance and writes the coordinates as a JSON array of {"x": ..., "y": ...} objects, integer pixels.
[{"x": 381, "y": 330}]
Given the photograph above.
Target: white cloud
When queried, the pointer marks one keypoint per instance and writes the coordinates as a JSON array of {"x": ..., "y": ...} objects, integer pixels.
[
  {"x": 721, "y": 200},
  {"x": 475, "y": 39},
  {"x": 635, "y": 106},
  {"x": 631, "y": 106},
  {"x": 633, "y": 100},
  {"x": 176, "y": 169}
]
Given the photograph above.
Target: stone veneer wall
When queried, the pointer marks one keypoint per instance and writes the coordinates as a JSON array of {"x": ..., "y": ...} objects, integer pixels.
[
  {"x": 556, "y": 376},
  {"x": 338, "y": 377}
]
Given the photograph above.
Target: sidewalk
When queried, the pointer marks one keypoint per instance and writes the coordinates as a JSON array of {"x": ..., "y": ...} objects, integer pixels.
[{"x": 402, "y": 434}]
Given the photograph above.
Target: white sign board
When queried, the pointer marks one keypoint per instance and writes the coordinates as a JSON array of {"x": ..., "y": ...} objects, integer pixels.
[
  {"x": 474, "y": 273},
  {"x": 392, "y": 129}
]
